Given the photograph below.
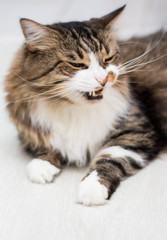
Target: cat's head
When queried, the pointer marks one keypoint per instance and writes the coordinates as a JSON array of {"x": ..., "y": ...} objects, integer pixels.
[{"x": 75, "y": 61}]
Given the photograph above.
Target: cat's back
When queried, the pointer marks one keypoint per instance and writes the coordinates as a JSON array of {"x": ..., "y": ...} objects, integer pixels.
[{"x": 148, "y": 75}]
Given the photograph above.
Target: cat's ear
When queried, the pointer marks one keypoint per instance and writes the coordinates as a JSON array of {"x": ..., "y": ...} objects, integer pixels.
[
  {"x": 109, "y": 19},
  {"x": 38, "y": 36}
]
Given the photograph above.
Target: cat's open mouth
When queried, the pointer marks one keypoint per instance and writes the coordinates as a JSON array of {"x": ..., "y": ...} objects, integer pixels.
[{"x": 94, "y": 95}]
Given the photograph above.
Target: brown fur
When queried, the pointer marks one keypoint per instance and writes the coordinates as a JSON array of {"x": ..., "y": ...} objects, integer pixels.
[
  {"x": 38, "y": 68},
  {"x": 150, "y": 82},
  {"x": 42, "y": 67}
]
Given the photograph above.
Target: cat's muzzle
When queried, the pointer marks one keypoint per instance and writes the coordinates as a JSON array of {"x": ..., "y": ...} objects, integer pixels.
[
  {"x": 94, "y": 95},
  {"x": 97, "y": 95}
]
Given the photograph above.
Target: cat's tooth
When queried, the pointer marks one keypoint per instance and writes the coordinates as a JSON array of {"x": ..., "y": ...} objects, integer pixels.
[
  {"x": 90, "y": 93},
  {"x": 93, "y": 94}
]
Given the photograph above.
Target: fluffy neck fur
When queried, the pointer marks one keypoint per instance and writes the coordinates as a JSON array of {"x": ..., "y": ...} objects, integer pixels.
[{"x": 78, "y": 130}]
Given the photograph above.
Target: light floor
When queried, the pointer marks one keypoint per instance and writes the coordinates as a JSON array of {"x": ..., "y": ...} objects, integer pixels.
[{"x": 138, "y": 210}]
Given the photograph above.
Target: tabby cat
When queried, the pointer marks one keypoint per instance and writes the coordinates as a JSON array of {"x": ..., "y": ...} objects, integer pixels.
[{"x": 72, "y": 101}]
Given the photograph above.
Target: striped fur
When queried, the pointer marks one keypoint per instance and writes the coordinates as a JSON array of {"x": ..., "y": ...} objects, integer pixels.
[
  {"x": 71, "y": 104},
  {"x": 128, "y": 149}
]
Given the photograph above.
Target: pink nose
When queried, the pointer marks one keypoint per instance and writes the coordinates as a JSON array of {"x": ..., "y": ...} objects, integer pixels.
[
  {"x": 103, "y": 82},
  {"x": 110, "y": 78}
]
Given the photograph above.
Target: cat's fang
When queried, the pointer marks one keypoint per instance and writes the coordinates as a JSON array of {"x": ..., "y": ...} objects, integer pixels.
[{"x": 94, "y": 95}]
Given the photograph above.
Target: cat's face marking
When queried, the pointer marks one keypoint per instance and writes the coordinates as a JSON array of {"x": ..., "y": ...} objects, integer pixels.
[
  {"x": 76, "y": 61},
  {"x": 94, "y": 79}
]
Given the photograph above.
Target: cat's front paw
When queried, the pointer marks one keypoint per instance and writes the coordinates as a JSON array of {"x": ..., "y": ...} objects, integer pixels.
[
  {"x": 40, "y": 171},
  {"x": 91, "y": 191}
]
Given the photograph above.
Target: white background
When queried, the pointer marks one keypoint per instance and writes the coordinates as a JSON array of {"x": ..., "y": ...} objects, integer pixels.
[
  {"x": 138, "y": 210},
  {"x": 140, "y": 16}
]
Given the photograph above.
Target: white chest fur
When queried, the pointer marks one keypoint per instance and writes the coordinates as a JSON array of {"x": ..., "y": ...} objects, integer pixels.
[{"x": 76, "y": 129}]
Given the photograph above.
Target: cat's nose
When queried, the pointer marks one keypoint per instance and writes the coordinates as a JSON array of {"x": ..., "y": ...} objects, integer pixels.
[
  {"x": 110, "y": 78},
  {"x": 103, "y": 82}
]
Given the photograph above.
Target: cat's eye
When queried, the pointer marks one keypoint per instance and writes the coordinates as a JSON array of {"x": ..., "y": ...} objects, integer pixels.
[
  {"x": 78, "y": 65},
  {"x": 108, "y": 60}
]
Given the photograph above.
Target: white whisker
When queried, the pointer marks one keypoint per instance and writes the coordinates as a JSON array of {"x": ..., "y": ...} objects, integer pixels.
[
  {"x": 145, "y": 63},
  {"x": 132, "y": 61},
  {"x": 40, "y": 94},
  {"x": 40, "y": 85}
]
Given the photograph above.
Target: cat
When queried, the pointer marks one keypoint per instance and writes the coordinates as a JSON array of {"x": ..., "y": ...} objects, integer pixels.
[{"x": 75, "y": 96}]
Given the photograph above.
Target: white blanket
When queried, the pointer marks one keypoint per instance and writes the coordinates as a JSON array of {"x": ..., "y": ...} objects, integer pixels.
[{"x": 138, "y": 209}]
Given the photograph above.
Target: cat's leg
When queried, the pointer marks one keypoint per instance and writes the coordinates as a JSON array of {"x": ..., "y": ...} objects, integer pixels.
[
  {"x": 45, "y": 167},
  {"x": 131, "y": 148},
  {"x": 109, "y": 168}
]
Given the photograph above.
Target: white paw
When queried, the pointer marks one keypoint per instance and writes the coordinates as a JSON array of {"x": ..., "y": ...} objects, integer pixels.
[
  {"x": 40, "y": 171},
  {"x": 91, "y": 191}
]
